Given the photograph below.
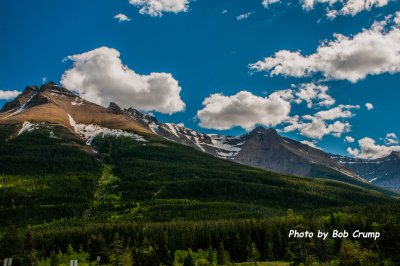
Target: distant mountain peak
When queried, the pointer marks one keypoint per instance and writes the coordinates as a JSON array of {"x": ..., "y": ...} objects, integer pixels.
[
  {"x": 53, "y": 87},
  {"x": 115, "y": 109},
  {"x": 395, "y": 154}
]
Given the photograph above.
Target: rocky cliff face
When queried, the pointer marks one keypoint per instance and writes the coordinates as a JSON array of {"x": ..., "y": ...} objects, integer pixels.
[
  {"x": 262, "y": 147},
  {"x": 383, "y": 172}
]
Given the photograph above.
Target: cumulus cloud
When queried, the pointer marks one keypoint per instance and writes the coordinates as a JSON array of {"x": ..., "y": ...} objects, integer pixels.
[
  {"x": 121, "y": 17},
  {"x": 391, "y": 139},
  {"x": 316, "y": 128},
  {"x": 247, "y": 110},
  {"x": 341, "y": 111},
  {"x": 6, "y": 95},
  {"x": 99, "y": 76},
  {"x": 369, "y": 106},
  {"x": 267, "y": 3},
  {"x": 244, "y": 16},
  {"x": 346, "y": 7},
  {"x": 349, "y": 139},
  {"x": 370, "y": 150},
  {"x": 244, "y": 110},
  {"x": 310, "y": 143},
  {"x": 156, "y": 8},
  {"x": 371, "y": 52},
  {"x": 397, "y": 18},
  {"x": 309, "y": 92}
]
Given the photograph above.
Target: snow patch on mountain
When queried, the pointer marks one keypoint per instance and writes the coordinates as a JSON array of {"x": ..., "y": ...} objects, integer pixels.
[
  {"x": 77, "y": 101},
  {"x": 90, "y": 131},
  {"x": 172, "y": 129},
  {"x": 28, "y": 127},
  {"x": 23, "y": 107},
  {"x": 225, "y": 146}
]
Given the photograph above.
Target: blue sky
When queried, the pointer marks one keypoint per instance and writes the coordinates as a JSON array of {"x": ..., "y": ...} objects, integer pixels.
[{"x": 206, "y": 50}]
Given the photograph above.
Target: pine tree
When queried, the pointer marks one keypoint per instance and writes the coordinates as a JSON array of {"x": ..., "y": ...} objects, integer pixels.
[
  {"x": 211, "y": 255},
  {"x": 117, "y": 250},
  {"x": 29, "y": 249},
  {"x": 254, "y": 253},
  {"x": 97, "y": 247},
  {"x": 127, "y": 258},
  {"x": 349, "y": 254},
  {"x": 53, "y": 259},
  {"x": 163, "y": 250},
  {"x": 221, "y": 254},
  {"x": 189, "y": 261},
  {"x": 12, "y": 246}
]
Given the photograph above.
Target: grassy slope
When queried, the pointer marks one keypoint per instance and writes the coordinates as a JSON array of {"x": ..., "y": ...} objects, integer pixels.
[{"x": 42, "y": 179}]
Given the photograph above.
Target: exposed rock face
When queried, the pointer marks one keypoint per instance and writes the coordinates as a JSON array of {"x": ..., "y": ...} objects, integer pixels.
[
  {"x": 54, "y": 105},
  {"x": 115, "y": 109},
  {"x": 383, "y": 172},
  {"x": 21, "y": 99},
  {"x": 264, "y": 148}
]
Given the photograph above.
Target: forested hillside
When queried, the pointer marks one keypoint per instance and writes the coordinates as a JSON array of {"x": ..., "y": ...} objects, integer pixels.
[{"x": 63, "y": 197}]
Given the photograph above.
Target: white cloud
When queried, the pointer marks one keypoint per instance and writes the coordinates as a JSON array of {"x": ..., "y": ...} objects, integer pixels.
[
  {"x": 391, "y": 139},
  {"x": 310, "y": 143},
  {"x": 267, "y": 3},
  {"x": 99, "y": 76},
  {"x": 224, "y": 11},
  {"x": 341, "y": 111},
  {"x": 370, "y": 150},
  {"x": 121, "y": 17},
  {"x": 397, "y": 18},
  {"x": 309, "y": 92},
  {"x": 349, "y": 139},
  {"x": 244, "y": 16},
  {"x": 6, "y": 95},
  {"x": 156, "y": 8},
  {"x": 369, "y": 106},
  {"x": 346, "y": 7},
  {"x": 316, "y": 128},
  {"x": 244, "y": 110},
  {"x": 371, "y": 52}
]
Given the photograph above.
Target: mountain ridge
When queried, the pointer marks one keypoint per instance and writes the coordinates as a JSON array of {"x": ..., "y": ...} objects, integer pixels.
[{"x": 262, "y": 147}]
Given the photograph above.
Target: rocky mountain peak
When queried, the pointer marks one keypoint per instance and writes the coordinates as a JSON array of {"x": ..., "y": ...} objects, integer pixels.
[
  {"x": 115, "y": 109},
  {"x": 143, "y": 119},
  {"x": 53, "y": 87},
  {"x": 264, "y": 130},
  {"x": 269, "y": 134},
  {"x": 395, "y": 154},
  {"x": 21, "y": 99}
]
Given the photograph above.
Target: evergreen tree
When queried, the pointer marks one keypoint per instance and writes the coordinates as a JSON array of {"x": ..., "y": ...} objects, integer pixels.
[
  {"x": 163, "y": 250},
  {"x": 211, "y": 255},
  {"x": 97, "y": 247},
  {"x": 117, "y": 250},
  {"x": 189, "y": 261},
  {"x": 146, "y": 255},
  {"x": 221, "y": 254},
  {"x": 127, "y": 258},
  {"x": 254, "y": 253},
  {"x": 53, "y": 259},
  {"x": 12, "y": 246},
  {"x": 29, "y": 249},
  {"x": 349, "y": 254}
]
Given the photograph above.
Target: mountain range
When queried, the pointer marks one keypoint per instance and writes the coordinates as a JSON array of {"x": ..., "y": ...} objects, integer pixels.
[{"x": 66, "y": 115}]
